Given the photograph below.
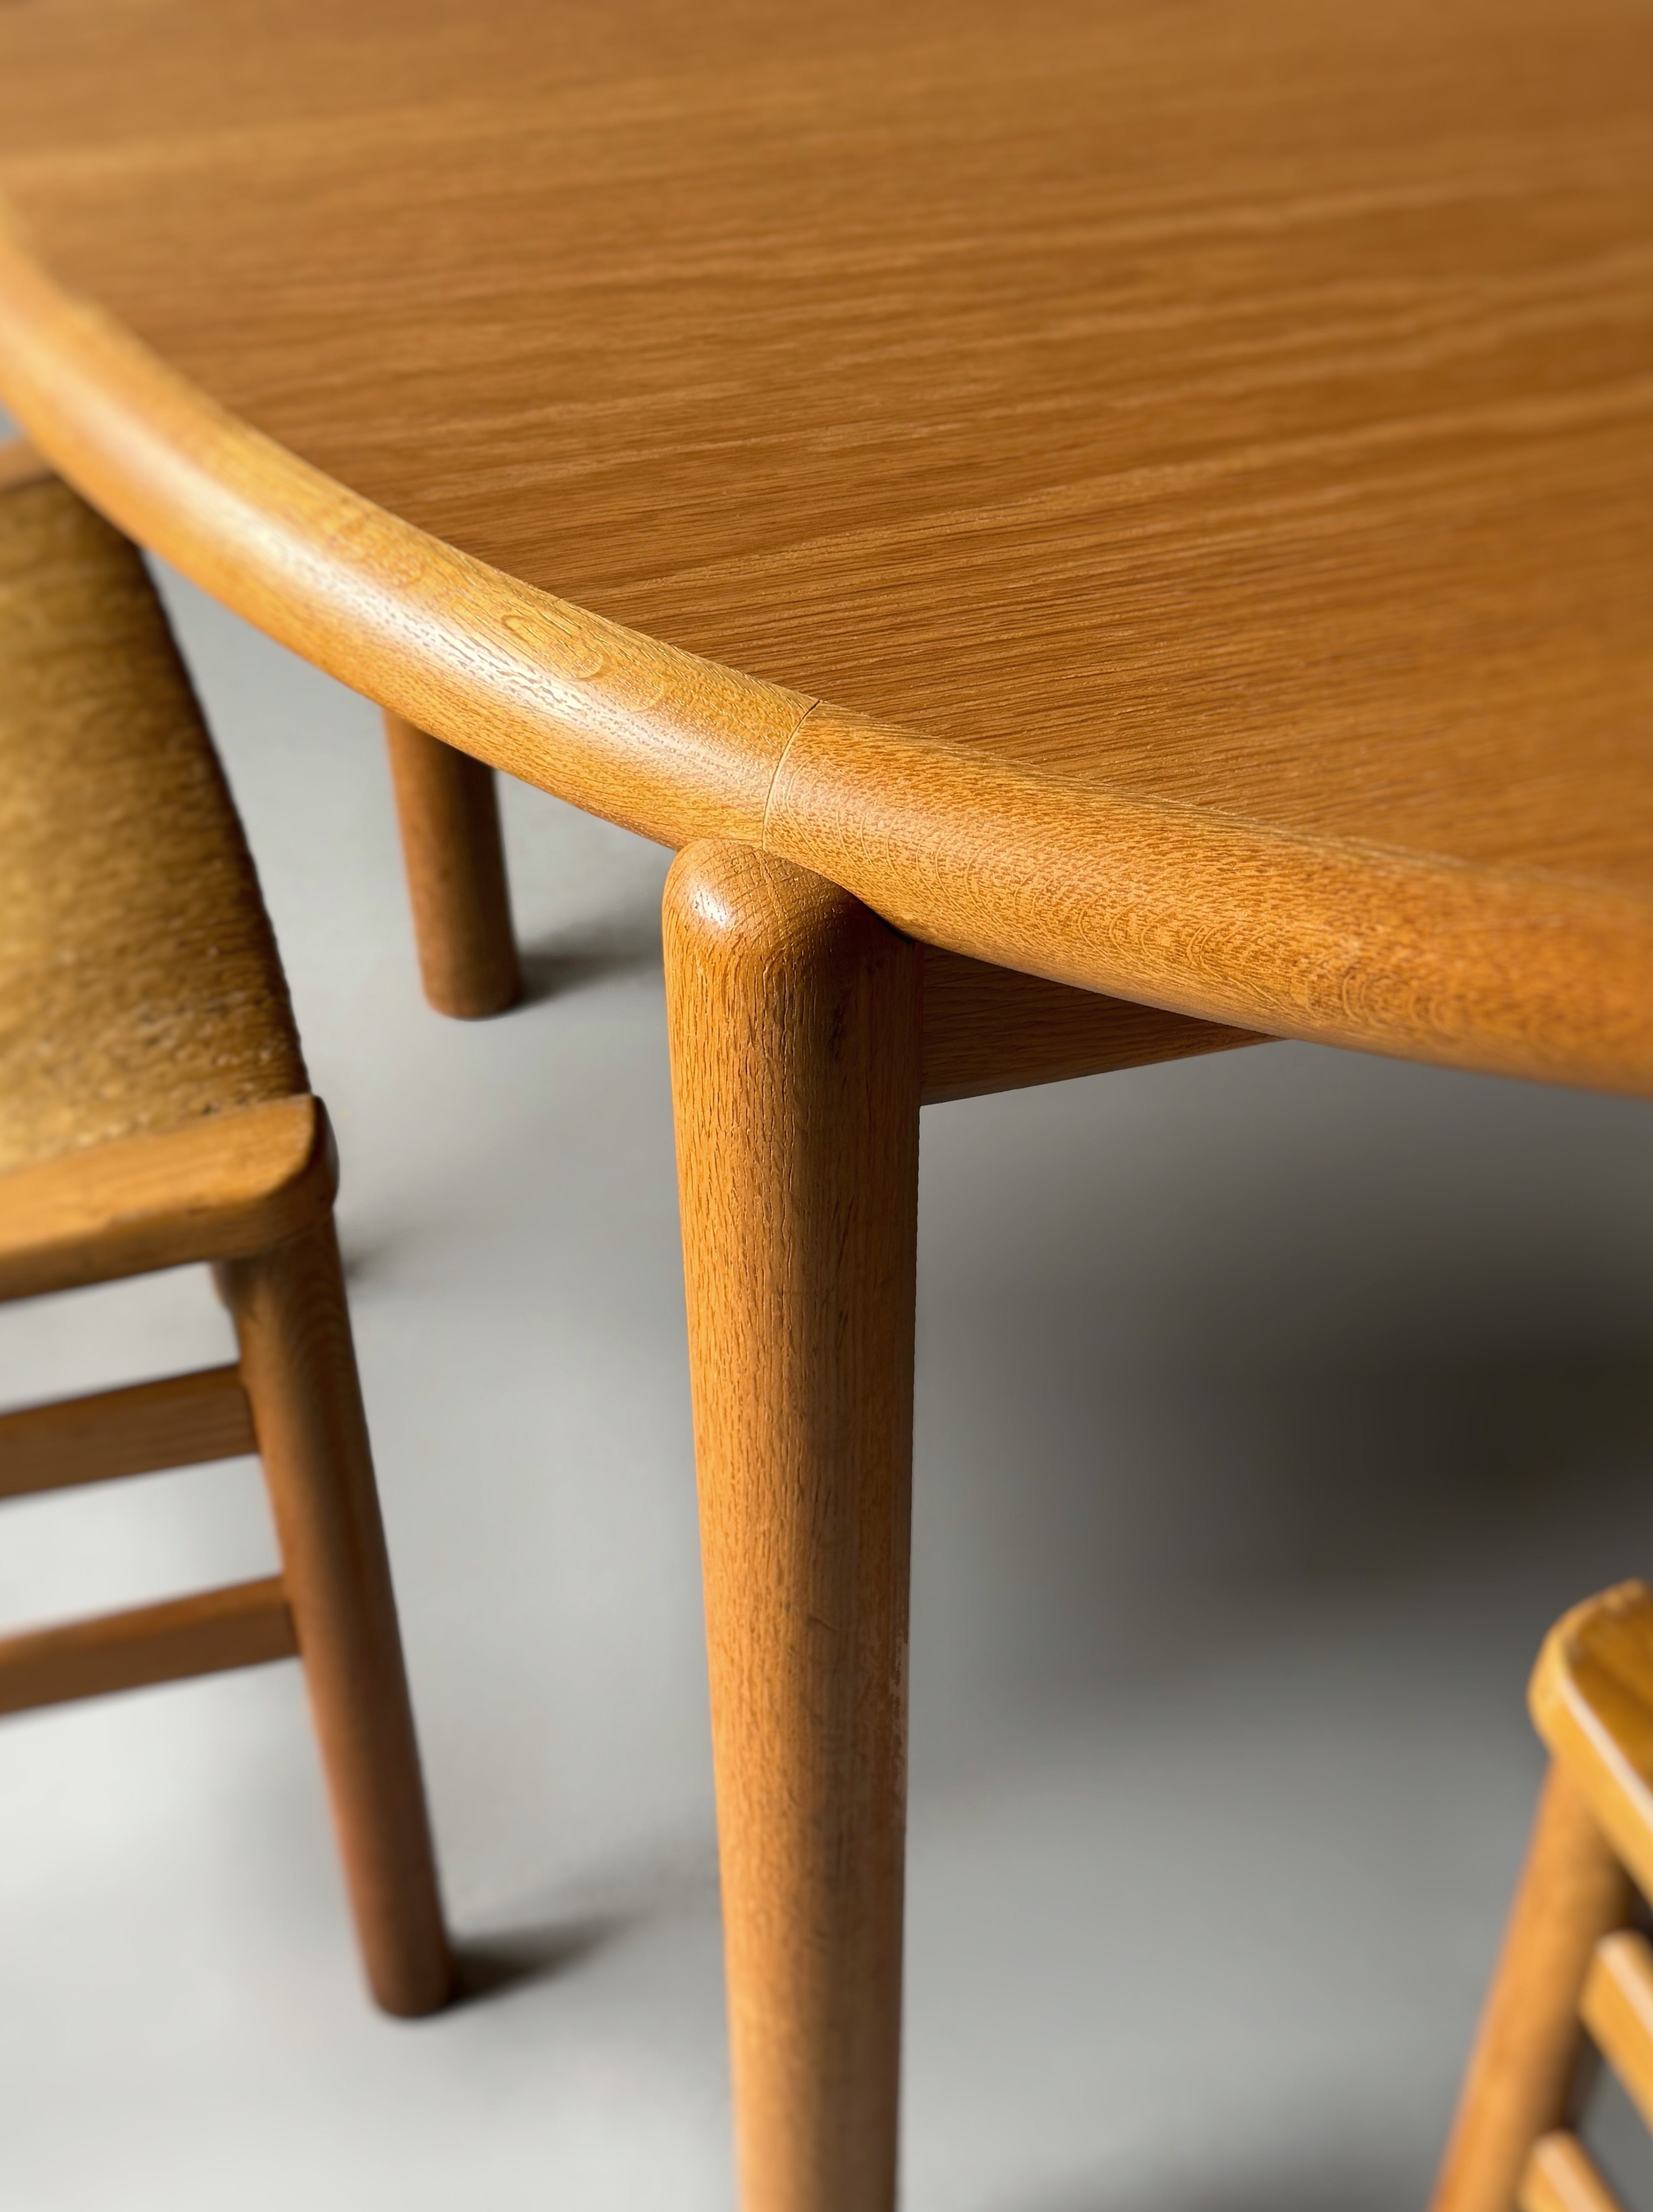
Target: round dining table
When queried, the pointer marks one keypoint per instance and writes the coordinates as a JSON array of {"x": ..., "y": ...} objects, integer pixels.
[{"x": 1099, "y": 529}]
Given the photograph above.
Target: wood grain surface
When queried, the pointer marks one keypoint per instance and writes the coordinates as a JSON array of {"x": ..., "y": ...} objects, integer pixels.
[
  {"x": 1519, "y": 2081},
  {"x": 1522, "y": 972},
  {"x": 178, "y": 1421},
  {"x": 1561, "y": 2176},
  {"x": 794, "y": 1020},
  {"x": 1569, "y": 1960},
  {"x": 298, "y": 1367},
  {"x": 990, "y": 1029},
  {"x": 453, "y": 857},
  {"x": 246, "y": 1624},
  {"x": 231, "y": 1184},
  {"x": 1591, "y": 1697},
  {"x": 1617, "y": 2010},
  {"x": 1231, "y": 418}
]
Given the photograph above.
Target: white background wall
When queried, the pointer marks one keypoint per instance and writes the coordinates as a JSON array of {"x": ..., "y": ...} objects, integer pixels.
[{"x": 1269, "y": 1407}]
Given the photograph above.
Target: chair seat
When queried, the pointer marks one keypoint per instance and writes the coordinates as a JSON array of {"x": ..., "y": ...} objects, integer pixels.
[{"x": 140, "y": 988}]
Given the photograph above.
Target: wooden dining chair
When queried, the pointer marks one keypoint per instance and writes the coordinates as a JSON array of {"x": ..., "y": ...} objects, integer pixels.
[
  {"x": 1575, "y": 1977},
  {"x": 155, "y": 1110}
]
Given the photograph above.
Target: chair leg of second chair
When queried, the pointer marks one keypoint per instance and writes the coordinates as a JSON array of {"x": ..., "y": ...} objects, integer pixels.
[
  {"x": 299, "y": 1370},
  {"x": 795, "y": 1045},
  {"x": 1521, "y": 2071}
]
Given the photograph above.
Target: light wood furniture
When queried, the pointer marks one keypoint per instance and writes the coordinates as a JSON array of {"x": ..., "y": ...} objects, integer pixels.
[
  {"x": 1573, "y": 1966},
  {"x": 448, "y": 812},
  {"x": 1140, "y": 501},
  {"x": 1156, "y": 499},
  {"x": 154, "y": 1109},
  {"x": 797, "y": 1067}
]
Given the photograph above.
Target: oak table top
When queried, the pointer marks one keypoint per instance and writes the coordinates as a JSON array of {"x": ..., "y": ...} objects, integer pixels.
[{"x": 1157, "y": 493}]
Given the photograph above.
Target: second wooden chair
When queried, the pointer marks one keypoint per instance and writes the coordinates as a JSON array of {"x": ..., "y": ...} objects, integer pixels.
[{"x": 1575, "y": 1976}]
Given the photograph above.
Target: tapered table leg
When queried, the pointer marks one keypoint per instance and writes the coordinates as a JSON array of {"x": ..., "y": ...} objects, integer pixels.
[
  {"x": 447, "y": 807},
  {"x": 794, "y": 1021}
]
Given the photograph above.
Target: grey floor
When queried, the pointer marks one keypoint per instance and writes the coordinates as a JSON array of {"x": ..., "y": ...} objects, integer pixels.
[{"x": 1269, "y": 1406}]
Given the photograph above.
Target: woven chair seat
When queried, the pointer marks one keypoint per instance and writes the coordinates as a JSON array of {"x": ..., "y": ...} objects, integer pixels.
[{"x": 140, "y": 988}]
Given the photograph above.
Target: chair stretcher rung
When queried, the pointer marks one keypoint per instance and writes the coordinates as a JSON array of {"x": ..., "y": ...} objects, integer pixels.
[
  {"x": 246, "y": 1624},
  {"x": 1562, "y": 2177},
  {"x": 1617, "y": 2008},
  {"x": 178, "y": 1421}
]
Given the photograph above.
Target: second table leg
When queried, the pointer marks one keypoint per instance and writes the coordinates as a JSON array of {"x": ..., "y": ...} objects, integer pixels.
[{"x": 447, "y": 810}]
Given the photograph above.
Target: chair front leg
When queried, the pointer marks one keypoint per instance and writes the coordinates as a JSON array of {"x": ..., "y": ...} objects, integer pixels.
[
  {"x": 298, "y": 1365},
  {"x": 795, "y": 1019},
  {"x": 1521, "y": 2075}
]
